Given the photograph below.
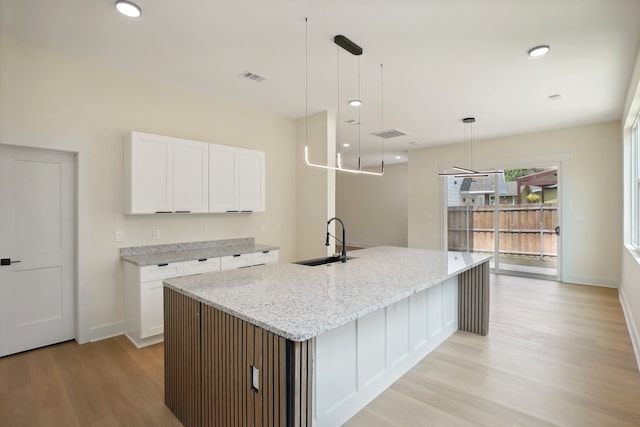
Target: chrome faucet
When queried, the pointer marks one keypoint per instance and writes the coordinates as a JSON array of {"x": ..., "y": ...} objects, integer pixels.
[{"x": 343, "y": 255}]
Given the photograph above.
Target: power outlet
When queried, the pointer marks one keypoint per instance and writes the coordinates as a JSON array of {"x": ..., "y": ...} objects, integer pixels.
[
  {"x": 118, "y": 236},
  {"x": 255, "y": 378},
  {"x": 155, "y": 233}
]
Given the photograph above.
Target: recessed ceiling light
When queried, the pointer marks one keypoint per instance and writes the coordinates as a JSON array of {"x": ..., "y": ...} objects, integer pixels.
[
  {"x": 355, "y": 103},
  {"x": 398, "y": 157},
  {"x": 539, "y": 51},
  {"x": 128, "y": 8},
  {"x": 346, "y": 144}
]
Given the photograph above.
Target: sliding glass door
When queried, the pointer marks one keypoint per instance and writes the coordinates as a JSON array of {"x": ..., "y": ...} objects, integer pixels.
[{"x": 513, "y": 215}]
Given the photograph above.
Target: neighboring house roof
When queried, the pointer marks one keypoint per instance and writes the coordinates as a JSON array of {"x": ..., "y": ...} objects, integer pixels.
[
  {"x": 484, "y": 185},
  {"x": 512, "y": 189}
]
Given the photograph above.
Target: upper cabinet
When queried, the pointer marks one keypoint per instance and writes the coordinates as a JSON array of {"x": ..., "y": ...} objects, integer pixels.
[
  {"x": 236, "y": 179},
  {"x": 172, "y": 175},
  {"x": 190, "y": 176},
  {"x": 165, "y": 175}
]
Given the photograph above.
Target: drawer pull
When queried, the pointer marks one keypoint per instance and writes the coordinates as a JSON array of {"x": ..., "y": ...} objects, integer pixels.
[
  {"x": 202, "y": 259},
  {"x": 183, "y": 211},
  {"x": 232, "y": 211},
  {"x": 164, "y": 212},
  {"x": 237, "y": 255},
  {"x": 162, "y": 265},
  {"x": 265, "y": 252}
]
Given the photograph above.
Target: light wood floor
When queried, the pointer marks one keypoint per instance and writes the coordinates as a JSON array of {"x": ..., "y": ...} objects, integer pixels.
[{"x": 556, "y": 354}]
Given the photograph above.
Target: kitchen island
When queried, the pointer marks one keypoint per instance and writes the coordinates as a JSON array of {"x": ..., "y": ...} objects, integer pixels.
[{"x": 289, "y": 344}]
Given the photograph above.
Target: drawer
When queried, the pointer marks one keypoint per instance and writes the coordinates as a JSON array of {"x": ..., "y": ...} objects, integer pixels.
[
  {"x": 235, "y": 261},
  {"x": 161, "y": 271},
  {"x": 266, "y": 257},
  {"x": 201, "y": 266}
]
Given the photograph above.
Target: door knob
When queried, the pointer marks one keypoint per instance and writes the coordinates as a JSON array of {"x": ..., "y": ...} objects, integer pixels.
[{"x": 7, "y": 261}]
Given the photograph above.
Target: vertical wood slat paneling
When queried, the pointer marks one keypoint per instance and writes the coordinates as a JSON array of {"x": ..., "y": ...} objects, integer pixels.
[
  {"x": 182, "y": 357},
  {"x": 208, "y": 360},
  {"x": 473, "y": 300}
]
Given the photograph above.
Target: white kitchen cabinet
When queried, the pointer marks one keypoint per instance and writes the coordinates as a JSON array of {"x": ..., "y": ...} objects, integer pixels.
[
  {"x": 236, "y": 179},
  {"x": 264, "y": 257},
  {"x": 233, "y": 262},
  {"x": 223, "y": 187},
  {"x": 144, "y": 300},
  {"x": 190, "y": 176},
  {"x": 148, "y": 168},
  {"x": 165, "y": 175},
  {"x": 251, "y": 180},
  {"x": 144, "y": 289},
  {"x": 204, "y": 265}
]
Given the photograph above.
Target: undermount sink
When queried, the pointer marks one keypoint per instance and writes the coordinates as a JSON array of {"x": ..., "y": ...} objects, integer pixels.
[{"x": 321, "y": 261}]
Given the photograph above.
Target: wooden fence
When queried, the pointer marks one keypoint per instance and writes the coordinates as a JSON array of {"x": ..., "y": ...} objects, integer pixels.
[{"x": 523, "y": 229}]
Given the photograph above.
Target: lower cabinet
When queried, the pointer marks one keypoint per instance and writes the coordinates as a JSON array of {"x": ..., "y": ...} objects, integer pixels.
[{"x": 144, "y": 290}]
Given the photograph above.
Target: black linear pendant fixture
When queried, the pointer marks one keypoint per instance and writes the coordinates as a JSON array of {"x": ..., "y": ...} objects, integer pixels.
[{"x": 351, "y": 47}]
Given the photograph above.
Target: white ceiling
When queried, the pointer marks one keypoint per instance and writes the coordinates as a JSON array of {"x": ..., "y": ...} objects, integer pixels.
[{"x": 443, "y": 60}]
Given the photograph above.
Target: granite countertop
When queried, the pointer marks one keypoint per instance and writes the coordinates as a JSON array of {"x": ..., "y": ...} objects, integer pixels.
[
  {"x": 177, "y": 252},
  {"x": 299, "y": 302}
]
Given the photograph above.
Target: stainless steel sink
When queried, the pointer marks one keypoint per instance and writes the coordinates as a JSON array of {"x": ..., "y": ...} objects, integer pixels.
[{"x": 321, "y": 261}]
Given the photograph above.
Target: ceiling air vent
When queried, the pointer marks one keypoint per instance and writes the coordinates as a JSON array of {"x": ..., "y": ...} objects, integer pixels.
[
  {"x": 253, "y": 76},
  {"x": 390, "y": 133}
]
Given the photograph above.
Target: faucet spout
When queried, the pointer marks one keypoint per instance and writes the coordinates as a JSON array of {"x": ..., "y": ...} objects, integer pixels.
[{"x": 343, "y": 242}]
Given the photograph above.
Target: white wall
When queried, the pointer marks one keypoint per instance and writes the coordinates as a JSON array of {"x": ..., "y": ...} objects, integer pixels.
[
  {"x": 315, "y": 186},
  {"x": 58, "y": 98},
  {"x": 374, "y": 208},
  {"x": 591, "y": 191}
]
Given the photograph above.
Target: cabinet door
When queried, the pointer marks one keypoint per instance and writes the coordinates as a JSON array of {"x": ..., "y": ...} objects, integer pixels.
[
  {"x": 251, "y": 180},
  {"x": 152, "y": 316},
  {"x": 223, "y": 188},
  {"x": 149, "y": 173},
  {"x": 190, "y": 176}
]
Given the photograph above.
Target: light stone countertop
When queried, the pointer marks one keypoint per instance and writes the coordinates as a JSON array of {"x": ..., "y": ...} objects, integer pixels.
[
  {"x": 177, "y": 252},
  {"x": 299, "y": 302}
]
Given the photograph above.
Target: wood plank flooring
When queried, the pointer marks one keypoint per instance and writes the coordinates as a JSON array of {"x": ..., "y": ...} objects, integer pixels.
[{"x": 556, "y": 355}]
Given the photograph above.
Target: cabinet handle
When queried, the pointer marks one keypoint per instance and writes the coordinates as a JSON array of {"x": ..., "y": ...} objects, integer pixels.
[
  {"x": 162, "y": 265},
  {"x": 202, "y": 259},
  {"x": 236, "y": 255},
  {"x": 265, "y": 252},
  {"x": 183, "y": 211},
  {"x": 164, "y": 212},
  {"x": 246, "y": 211},
  {"x": 232, "y": 211}
]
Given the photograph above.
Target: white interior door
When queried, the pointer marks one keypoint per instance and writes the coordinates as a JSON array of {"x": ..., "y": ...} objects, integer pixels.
[{"x": 37, "y": 242}]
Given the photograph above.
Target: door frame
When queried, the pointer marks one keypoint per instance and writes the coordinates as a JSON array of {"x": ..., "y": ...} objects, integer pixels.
[
  {"x": 559, "y": 160},
  {"x": 19, "y": 139}
]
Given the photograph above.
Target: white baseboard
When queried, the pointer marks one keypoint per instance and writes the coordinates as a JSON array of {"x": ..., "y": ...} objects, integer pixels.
[
  {"x": 631, "y": 326},
  {"x": 592, "y": 281},
  {"x": 108, "y": 330}
]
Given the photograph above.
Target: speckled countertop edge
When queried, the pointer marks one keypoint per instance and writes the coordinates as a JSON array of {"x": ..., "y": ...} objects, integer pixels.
[
  {"x": 178, "y": 252},
  {"x": 299, "y": 302}
]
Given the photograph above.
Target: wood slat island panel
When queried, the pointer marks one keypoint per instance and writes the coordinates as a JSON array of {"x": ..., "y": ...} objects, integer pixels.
[{"x": 209, "y": 356}]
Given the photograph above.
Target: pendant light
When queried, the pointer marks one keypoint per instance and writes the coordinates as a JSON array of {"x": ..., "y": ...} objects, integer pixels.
[
  {"x": 351, "y": 47},
  {"x": 469, "y": 169}
]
